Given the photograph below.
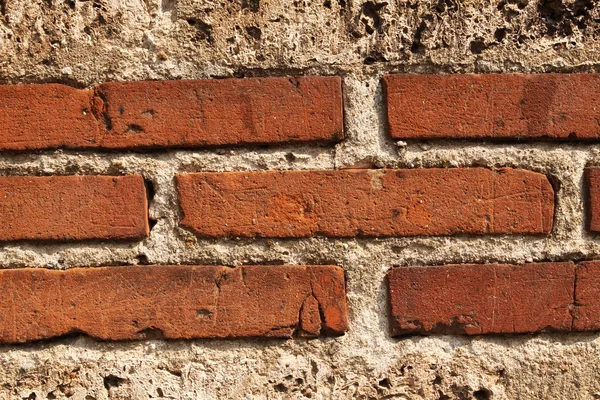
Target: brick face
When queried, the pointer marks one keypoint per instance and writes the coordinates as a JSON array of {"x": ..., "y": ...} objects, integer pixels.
[
  {"x": 172, "y": 302},
  {"x": 481, "y": 299},
  {"x": 593, "y": 186},
  {"x": 163, "y": 114},
  {"x": 556, "y": 106},
  {"x": 46, "y": 116},
  {"x": 495, "y": 299},
  {"x": 587, "y": 301},
  {"x": 371, "y": 203},
  {"x": 73, "y": 207},
  {"x": 218, "y": 112}
]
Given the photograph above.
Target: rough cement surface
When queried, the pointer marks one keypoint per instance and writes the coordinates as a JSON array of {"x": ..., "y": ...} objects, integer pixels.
[{"x": 83, "y": 43}]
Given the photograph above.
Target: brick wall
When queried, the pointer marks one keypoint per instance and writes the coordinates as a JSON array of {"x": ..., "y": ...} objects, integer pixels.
[
  {"x": 269, "y": 199},
  {"x": 193, "y": 301}
]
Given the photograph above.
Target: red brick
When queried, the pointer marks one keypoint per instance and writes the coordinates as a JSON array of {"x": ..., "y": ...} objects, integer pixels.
[
  {"x": 558, "y": 106},
  {"x": 46, "y": 116},
  {"x": 219, "y": 112},
  {"x": 73, "y": 207},
  {"x": 349, "y": 203},
  {"x": 593, "y": 185},
  {"x": 163, "y": 114},
  {"x": 172, "y": 302},
  {"x": 481, "y": 299},
  {"x": 587, "y": 299}
]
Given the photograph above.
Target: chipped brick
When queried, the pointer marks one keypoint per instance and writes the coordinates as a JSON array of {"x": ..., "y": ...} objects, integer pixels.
[
  {"x": 481, "y": 299},
  {"x": 172, "y": 302}
]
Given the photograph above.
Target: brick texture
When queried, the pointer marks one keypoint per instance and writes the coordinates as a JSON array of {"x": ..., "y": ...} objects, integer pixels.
[
  {"x": 587, "y": 301},
  {"x": 163, "y": 114},
  {"x": 482, "y": 299},
  {"x": 46, "y": 116},
  {"x": 558, "y": 106},
  {"x": 172, "y": 302},
  {"x": 217, "y": 112},
  {"x": 593, "y": 186},
  {"x": 372, "y": 203},
  {"x": 73, "y": 207}
]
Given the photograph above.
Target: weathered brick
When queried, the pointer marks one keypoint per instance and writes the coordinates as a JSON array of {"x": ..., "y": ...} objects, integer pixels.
[
  {"x": 587, "y": 301},
  {"x": 219, "y": 112},
  {"x": 46, "y": 116},
  {"x": 73, "y": 207},
  {"x": 348, "y": 203},
  {"x": 558, "y": 106},
  {"x": 593, "y": 186},
  {"x": 172, "y": 302},
  {"x": 481, "y": 299},
  {"x": 161, "y": 114}
]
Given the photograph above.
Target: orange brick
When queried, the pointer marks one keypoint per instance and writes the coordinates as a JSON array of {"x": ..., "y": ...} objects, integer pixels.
[
  {"x": 373, "y": 203},
  {"x": 165, "y": 114},
  {"x": 481, "y": 299},
  {"x": 495, "y": 106},
  {"x": 73, "y": 207},
  {"x": 172, "y": 302}
]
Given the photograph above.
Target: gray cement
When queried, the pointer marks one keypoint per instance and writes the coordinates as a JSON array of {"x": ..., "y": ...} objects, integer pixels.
[{"x": 85, "y": 42}]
